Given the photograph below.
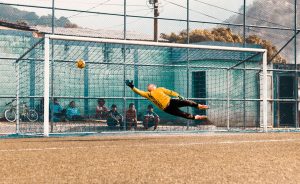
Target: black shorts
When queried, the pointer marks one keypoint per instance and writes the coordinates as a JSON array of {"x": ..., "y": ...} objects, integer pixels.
[{"x": 175, "y": 104}]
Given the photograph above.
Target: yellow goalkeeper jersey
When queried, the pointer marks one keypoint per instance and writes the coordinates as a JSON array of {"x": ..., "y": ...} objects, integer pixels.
[{"x": 160, "y": 96}]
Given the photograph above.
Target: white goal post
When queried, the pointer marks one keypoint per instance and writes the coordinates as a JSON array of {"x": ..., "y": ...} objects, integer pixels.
[{"x": 47, "y": 59}]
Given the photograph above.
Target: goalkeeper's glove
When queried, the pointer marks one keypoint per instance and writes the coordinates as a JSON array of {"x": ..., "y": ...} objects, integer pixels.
[
  {"x": 129, "y": 83},
  {"x": 181, "y": 97}
]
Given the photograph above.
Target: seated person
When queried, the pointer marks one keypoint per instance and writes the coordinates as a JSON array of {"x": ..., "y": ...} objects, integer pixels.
[
  {"x": 58, "y": 111},
  {"x": 73, "y": 113},
  {"x": 114, "y": 117},
  {"x": 131, "y": 118},
  {"x": 150, "y": 118},
  {"x": 40, "y": 109},
  {"x": 101, "y": 110}
]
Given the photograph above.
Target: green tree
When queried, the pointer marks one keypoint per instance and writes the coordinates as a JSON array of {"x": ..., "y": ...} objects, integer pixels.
[{"x": 223, "y": 35}]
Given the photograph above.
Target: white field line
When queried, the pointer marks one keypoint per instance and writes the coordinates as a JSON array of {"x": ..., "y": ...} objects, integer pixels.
[{"x": 151, "y": 145}]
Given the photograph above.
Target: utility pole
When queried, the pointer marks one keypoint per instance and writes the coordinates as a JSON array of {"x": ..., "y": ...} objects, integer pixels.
[
  {"x": 244, "y": 24},
  {"x": 53, "y": 16},
  {"x": 156, "y": 14}
]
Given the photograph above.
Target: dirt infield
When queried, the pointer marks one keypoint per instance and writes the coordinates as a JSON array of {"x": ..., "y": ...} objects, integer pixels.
[{"x": 194, "y": 158}]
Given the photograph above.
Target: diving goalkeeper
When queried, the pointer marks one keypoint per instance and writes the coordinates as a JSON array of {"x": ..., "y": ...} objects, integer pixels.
[{"x": 161, "y": 98}]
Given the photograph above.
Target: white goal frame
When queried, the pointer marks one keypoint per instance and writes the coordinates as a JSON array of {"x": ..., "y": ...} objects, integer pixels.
[{"x": 48, "y": 37}]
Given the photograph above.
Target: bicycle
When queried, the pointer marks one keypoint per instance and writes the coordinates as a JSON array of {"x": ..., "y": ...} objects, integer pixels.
[{"x": 25, "y": 112}]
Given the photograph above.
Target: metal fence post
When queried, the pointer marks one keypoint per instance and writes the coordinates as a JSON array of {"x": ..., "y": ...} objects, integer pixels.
[
  {"x": 187, "y": 55},
  {"x": 265, "y": 92},
  {"x": 244, "y": 71},
  {"x": 228, "y": 98},
  {"x": 18, "y": 99},
  {"x": 124, "y": 68},
  {"x": 244, "y": 95},
  {"x": 46, "y": 86},
  {"x": 124, "y": 86},
  {"x": 296, "y": 69},
  {"x": 51, "y": 94}
]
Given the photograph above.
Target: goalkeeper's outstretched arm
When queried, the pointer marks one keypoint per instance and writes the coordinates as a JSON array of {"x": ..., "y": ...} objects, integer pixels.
[
  {"x": 136, "y": 90},
  {"x": 140, "y": 92}
]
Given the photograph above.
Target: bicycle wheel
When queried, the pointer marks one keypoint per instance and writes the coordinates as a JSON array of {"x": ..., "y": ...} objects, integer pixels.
[
  {"x": 10, "y": 115},
  {"x": 32, "y": 115}
]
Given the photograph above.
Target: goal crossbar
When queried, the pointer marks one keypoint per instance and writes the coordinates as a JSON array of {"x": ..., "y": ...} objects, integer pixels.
[{"x": 147, "y": 43}]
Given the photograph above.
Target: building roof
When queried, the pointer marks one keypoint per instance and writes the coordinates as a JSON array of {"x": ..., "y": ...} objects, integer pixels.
[
  {"x": 13, "y": 26},
  {"x": 99, "y": 33},
  {"x": 87, "y": 32}
]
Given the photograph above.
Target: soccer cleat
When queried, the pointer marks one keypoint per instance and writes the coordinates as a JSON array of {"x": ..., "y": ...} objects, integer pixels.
[
  {"x": 199, "y": 117},
  {"x": 203, "y": 107}
]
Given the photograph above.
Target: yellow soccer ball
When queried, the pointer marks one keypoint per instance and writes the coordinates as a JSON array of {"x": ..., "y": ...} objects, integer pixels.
[{"x": 80, "y": 63}]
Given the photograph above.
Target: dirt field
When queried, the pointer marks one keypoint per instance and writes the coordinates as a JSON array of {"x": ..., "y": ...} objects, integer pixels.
[{"x": 194, "y": 158}]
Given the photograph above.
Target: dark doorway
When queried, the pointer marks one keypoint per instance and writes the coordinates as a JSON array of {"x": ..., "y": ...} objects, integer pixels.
[
  {"x": 286, "y": 109},
  {"x": 199, "y": 88}
]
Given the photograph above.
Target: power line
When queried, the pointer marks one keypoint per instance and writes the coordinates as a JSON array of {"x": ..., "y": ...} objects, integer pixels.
[
  {"x": 72, "y": 16},
  {"x": 112, "y": 4},
  {"x": 106, "y": 4},
  {"x": 185, "y": 8},
  {"x": 214, "y": 17},
  {"x": 215, "y": 6},
  {"x": 117, "y": 25},
  {"x": 131, "y": 11},
  {"x": 102, "y": 3},
  {"x": 195, "y": 11},
  {"x": 198, "y": 13}
]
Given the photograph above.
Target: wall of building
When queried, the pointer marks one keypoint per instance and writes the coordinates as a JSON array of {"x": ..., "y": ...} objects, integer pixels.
[
  {"x": 103, "y": 77},
  {"x": 12, "y": 44}
]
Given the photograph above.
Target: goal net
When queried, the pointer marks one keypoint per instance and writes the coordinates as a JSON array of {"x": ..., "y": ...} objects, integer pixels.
[{"x": 232, "y": 81}]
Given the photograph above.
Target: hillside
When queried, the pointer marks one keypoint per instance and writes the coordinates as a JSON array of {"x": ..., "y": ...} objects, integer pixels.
[
  {"x": 11, "y": 14},
  {"x": 272, "y": 13}
]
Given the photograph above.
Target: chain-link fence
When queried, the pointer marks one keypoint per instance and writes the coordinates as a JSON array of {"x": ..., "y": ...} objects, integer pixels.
[
  {"x": 95, "y": 98},
  {"x": 271, "y": 25}
]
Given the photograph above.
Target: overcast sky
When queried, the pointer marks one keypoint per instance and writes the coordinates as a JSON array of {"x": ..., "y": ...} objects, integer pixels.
[{"x": 168, "y": 9}]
